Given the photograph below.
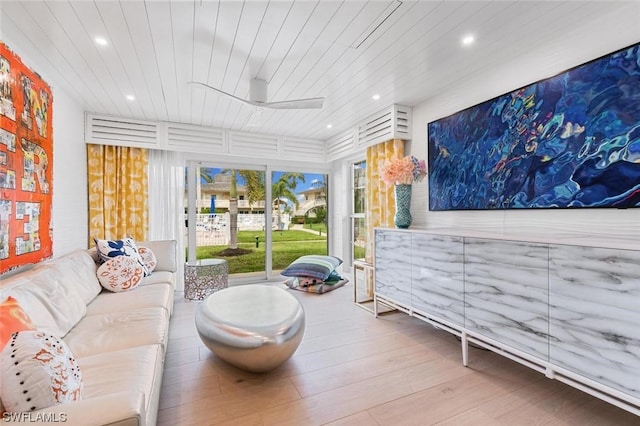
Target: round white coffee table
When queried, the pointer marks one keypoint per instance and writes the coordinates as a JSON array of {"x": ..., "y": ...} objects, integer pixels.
[{"x": 254, "y": 327}]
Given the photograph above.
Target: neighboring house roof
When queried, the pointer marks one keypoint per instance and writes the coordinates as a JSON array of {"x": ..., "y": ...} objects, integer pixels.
[
  {"x": 220, "y": 187},
  {"x": 311, "y": 191}
]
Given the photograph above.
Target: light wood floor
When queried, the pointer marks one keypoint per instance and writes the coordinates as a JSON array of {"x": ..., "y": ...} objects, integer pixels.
[{"x": 354, "y": 369}]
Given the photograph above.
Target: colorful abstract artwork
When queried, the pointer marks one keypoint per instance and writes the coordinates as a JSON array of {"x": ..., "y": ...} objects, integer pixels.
[
  {"x": 570, "y": 141},
  {"x": 26, "y": 173}
]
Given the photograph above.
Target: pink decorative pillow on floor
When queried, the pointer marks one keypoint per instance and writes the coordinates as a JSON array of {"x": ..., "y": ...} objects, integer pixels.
[
  {"x": 38, "y": 371},
  {"x": 122, "y": 273}
]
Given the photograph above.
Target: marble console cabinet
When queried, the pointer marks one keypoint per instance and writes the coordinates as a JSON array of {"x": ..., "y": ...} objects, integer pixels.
[{"x": 570, "y": 311}]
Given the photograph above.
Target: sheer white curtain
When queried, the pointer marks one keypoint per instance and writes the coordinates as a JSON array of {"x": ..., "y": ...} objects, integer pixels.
[{"x": 166, "y": 202}]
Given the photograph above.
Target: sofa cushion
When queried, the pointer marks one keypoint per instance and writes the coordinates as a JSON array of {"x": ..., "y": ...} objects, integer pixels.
[
  {"x": 136, "y": 370},
  {"x": 166, "y": 253},
  {"x": 118, "y": 330},
  {"x": 108, "y": 249},
  {"x": 79, "y": 271},
  {"x": 147, "y": 296},
  {"x": 48, "y": 297},
  {"x": 39, "y": 371},
  {"x": 12, "y": 318},
  {"x": 158, "y": 277},
  {"x": 120, "y": 274}
]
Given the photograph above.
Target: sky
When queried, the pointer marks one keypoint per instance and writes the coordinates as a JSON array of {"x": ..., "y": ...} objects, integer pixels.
[{"x": 309, "y": 178}]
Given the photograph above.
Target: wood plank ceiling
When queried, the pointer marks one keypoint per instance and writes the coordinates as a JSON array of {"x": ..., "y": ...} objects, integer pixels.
[{"x": 345, "y": 51}]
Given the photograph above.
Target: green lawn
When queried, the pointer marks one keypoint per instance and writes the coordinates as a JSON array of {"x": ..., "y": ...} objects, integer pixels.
[
  {"x": 287, "y": 246},
  {"x": 279, "y": 236},
  {"x": 358, "y": 252},
  {"x": 317, "y": 227}
]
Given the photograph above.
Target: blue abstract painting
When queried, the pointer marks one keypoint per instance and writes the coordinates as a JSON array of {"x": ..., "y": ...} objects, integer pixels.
[{"x": 569, "y": 141}]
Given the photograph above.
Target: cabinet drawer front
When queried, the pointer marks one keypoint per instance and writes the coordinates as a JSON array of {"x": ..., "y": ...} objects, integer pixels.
[
  {"x": 393, "y": 266},
  {"x": 438, "y": 273},
  {"x": 506, "y": 293},
  {"x": 594, "y": 298}
]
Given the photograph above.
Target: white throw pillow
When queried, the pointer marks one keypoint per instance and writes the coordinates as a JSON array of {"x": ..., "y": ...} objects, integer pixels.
[
  {"x": 109, "y": 249},
  {"x": 120, "y": 274},
  {"x": 148, "y": 258},
  {"x": 38, "y": 371}
]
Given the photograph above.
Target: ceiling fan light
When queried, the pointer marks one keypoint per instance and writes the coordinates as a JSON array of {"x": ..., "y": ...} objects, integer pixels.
[{"x": 258, "y": 90}]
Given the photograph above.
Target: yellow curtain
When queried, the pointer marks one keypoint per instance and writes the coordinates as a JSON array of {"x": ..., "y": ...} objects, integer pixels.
[
  {"x": 380, "y": 197},
  {"x": 117, "y": 192}
]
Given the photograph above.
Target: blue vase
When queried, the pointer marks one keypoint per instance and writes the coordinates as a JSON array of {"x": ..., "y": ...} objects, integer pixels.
[{"x": 402, "y": 218}]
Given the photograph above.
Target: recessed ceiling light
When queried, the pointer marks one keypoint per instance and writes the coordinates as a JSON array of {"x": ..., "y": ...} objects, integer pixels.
[
  {"x": 468, "y": 39},
  {"x": 101, "y": 41},
  {"x": 131, "y": 98},
  {"x": 329, "y": 126},
  {"x": 375, "y": 97}
]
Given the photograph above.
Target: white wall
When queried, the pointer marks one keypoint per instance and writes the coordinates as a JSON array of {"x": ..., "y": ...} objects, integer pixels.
[
  {"x": 609, "y": 223},
  {"x": 70, "y": 207}
]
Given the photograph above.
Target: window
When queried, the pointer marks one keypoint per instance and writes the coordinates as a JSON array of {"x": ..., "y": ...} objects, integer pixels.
[{"x": 359, "y": 209}]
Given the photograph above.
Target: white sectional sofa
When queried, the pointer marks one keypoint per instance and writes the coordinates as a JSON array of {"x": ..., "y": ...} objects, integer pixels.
[{"x": 118, "y": 339}]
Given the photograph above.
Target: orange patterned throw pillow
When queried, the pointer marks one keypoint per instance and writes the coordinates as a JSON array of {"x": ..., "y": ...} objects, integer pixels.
[
  {"x": 38, "y": 371},
  {"x": 12, "y": 318},
  {"x": 148, "y": 258},
  {"x": 122, "y": 273}
]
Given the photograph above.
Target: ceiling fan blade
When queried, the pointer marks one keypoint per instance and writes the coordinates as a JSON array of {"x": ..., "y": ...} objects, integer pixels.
[
  {"x": 244, "y": 101},
  {"x": 310, "y": 103}
]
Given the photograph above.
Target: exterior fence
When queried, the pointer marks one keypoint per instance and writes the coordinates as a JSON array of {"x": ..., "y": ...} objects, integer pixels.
[{"x": 214, "y": 229}]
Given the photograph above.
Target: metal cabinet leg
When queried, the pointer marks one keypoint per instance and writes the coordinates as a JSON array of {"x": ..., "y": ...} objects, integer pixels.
[{"x": 465, "y": 349}]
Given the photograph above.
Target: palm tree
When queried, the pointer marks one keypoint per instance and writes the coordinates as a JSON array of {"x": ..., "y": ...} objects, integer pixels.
[
  {"x": 233, "y": 207},
  {"x": 255, "y": 191},
  {"x": 283, "y": 190},
  {"x": 204, "y": 175},
  {"x": 321, "y": 211},
  {"x": 254, "y": 183}
]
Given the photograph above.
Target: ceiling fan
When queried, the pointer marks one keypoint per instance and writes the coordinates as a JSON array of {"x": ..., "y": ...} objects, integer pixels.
[{"x": 258, "y": 97}]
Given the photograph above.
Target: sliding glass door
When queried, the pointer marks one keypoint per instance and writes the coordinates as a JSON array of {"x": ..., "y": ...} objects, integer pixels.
[{"x": 228, "y": 217}]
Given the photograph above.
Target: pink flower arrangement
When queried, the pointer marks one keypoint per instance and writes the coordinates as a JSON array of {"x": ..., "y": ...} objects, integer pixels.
[{"x": 403, "y": 171}]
